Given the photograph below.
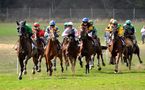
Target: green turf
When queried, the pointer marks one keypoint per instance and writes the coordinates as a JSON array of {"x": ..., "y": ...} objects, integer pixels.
[{"x": 101, "y": 80}]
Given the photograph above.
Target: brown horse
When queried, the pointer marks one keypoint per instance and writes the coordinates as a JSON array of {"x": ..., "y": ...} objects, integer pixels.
[
  {"x": 52, "y": 52},
  {"x": 86, "y": 48},
  {"x": 70, "y": 51},
  {"x": 24, "y": 49},
  {"x": 128, "y": 52},
  {"x": 38, "y": 54},
  {"x": 131, "y": 49},
  {"x": 116, "y": 50}
]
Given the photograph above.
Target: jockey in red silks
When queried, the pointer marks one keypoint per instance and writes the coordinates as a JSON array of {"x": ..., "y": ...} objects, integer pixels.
[{"x": 38, "y": 33}]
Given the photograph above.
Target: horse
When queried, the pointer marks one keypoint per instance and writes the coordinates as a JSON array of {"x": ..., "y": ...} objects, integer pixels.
[
  {"x": 70, "y": 51},
  {"x": 52, "y": 52},
  {"x": 128, "y": 52},
  {"x": 116, "y": 49},
  {"x": 25, "y": 48},
  {"x": 86, "y": 49},
  {"x": 39, "y": 54},
  {"x": 98, "y": 50},
  {"x": 131, "y": 49}
]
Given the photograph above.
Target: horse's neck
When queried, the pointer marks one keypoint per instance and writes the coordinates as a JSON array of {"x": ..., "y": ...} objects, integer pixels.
[
  {"x": 86, "y": 43},
  {"x": 24, "y": 43}
]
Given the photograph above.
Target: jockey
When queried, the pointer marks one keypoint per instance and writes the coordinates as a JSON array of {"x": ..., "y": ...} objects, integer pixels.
[
  {"x": 108, "y": 31},
  {"x": 110, "y": 25},
  {"x": 129, "y": 31},
  {"x": 65, "y": 25},
  {"x": 92, "y": 32},
  {"x": 118, "y": 31},
  {"x": 38, "y": 33},
  {"x": 52, "y": 26},
  {"x": 85, "y": 23},
  {"x": 70, "y": 31}
]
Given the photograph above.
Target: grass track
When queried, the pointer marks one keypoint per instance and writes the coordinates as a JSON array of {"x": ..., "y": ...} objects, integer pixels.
[{"x": 101, "y": 80}]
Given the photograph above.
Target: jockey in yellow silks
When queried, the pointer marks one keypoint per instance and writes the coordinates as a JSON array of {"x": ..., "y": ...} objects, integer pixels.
[
  {"x": 118, "y": 31},
  {"x": 108, "y": 31}
]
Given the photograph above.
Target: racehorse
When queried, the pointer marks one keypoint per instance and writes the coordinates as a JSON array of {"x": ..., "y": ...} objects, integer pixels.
[
  {"x": 24, "y": 49},
  {"x": 86, "y": 48},
  {"x": 116, "y": 49},
  {"x": 52, "y": 52},
  {"x": 39, "y": 54},
  {"x": 128, "y": 52},
  {"x": 70, "y": 51},
  {"x": 131, "y": 49}
]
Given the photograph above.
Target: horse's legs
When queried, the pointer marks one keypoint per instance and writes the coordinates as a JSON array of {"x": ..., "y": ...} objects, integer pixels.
[
  {"x": 21, "y": 68},
  {"x": 50, "y": 67},
  {"x": 46, "y": 58},
  {"x": 137, "y": 50},
  {"x": 35, "y": 64},
  {"x": 54, "y": 63},
  {"x": 39, "y": 63},
  {"x": 103, "y": 63},
  {"x": 66, "y": 61},
  {"x": 72, "y": 65},
  {"x": 117, "y": 62},
  {"x": 138, "y": 55},
  {"x": 99, "y": 67},
  {"x": 87, "y": 64},
  {"x": 25, "y": 63},
  {"x": 91, "y": 63},
  {"x": 130, "y": 59},
  {"x": 80, "y": 59},
  {"x": 61, "y": 63}
]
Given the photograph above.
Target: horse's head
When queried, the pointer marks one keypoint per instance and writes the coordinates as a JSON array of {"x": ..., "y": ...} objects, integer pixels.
[
  {"x": 21, "y": 28},
  {"x": 83, "y": 33},
  {"x": 51, "y": 35}
]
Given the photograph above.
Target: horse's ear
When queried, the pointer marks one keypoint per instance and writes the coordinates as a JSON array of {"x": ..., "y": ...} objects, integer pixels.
[
  {"x": 24, "y": 23},
  {"x": 17, "y": 23}
]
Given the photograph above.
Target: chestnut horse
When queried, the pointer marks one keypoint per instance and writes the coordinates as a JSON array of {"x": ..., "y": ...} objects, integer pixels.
[
  {"x": 70, "y": 51},
  {"x": 52, "y": 52},
  {"x": 116, "y": 50}
]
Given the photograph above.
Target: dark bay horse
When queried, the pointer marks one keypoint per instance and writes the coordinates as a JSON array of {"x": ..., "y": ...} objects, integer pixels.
[
  {"x": 70, "y": 51},
  {"x": 38, "y": 54},
  {"x": 52, "y": 52},
  {"x": 86, "y": 48},
  {"x": 24, "y": 49}
]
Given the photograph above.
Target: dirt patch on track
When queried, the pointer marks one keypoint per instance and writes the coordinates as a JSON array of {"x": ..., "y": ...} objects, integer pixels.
[
  {"x": 7, "y": 49},
  {"x": 6, "y": 46}
]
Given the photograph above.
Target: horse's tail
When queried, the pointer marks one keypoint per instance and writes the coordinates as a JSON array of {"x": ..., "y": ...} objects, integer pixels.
[{"x": 104, "y": 47}]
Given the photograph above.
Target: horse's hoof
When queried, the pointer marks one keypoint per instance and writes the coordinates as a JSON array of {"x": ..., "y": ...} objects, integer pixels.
[
  {"x": 33, "y": 71},
  {"x": 62, "y": 70},
  {"x": 141, "y": 62},
  {"x": 50, "y": 74},
  {"x": 39, "y": 70},
  {"x": 115, "y": 71},
  {"x": 20, "y": 78},
  {"x": 103, "y": 64},
  {"x": 54, "y": 69},
  {"x": 99, "y": 69},
  {"x": 111, "y": 63},
  {"x": 25, "y": 72}
]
